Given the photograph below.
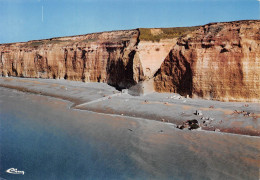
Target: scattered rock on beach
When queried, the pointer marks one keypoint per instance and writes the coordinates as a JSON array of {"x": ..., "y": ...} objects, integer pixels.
[
  {"x": 245, "y": 113},
  {"x": 190, "y": 125},
  {"x": 207, "y": 118}
]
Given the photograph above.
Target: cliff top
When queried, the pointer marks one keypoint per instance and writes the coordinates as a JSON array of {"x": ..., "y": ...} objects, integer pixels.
[
  {"x": 156, "y": 34},
  {"x": 146, "y": 34}
]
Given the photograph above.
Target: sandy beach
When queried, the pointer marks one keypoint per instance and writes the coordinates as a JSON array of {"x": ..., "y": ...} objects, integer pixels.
[
  {"x": 47, "y": 139},
  {"x": 231, "y": 117}
]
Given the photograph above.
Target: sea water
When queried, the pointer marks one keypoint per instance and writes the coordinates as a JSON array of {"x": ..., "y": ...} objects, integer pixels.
[{"x": 45, "y": 139}]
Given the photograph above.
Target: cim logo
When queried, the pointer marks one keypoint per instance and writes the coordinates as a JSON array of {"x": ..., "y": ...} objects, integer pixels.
[{"x": 14, "y": 171}]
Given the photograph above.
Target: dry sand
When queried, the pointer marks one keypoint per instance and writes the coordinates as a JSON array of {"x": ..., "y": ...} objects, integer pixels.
[{"x": 232, "y": 117}]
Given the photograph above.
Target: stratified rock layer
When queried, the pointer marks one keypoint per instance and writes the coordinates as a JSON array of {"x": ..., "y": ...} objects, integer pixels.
[
  {"x": 100, "y": 57},
  {"x": 218, "y": 61}
]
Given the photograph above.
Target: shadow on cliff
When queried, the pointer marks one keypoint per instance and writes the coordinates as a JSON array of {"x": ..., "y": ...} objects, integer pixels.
[
  {"x": 174, "y": 75},
  {"x": 120, "y": 73}
]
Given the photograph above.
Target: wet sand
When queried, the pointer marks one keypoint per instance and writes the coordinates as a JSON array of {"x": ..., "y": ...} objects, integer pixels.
[
  {"x": 45, "y": 138},
  {"x": 165, "y": 107}
]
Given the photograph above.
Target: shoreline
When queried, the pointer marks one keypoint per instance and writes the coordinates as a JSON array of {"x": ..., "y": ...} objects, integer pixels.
[
  {"x": 168, "y": 123},
  {"x": 111, "y": 101},
  {"x": 43, "y": 123}
]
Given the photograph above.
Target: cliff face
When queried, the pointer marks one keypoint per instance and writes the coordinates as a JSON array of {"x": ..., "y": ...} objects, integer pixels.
[
  {"x": 116, "y": 58},
  {"x": 101, "y": 57},
  {"x": 218, "y": 61}
]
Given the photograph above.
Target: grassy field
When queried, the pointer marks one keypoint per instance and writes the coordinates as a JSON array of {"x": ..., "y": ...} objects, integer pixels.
[
  {"x": 146, "y": 34},
  {"x": 164, "y": 33},
  {"x": 46, "y": 42}
]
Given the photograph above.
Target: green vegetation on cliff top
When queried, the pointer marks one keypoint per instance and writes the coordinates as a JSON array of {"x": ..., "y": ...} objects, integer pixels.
[
  {"x": 146, "y": 34},
  {"x": 156, "y": 34}
]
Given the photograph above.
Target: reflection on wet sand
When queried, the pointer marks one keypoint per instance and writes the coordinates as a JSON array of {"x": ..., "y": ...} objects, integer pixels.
[{"x": 42, "y": 132}]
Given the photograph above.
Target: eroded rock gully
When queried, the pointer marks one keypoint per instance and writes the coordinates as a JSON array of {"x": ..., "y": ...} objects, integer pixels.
[{"x": 216, "y": 61}]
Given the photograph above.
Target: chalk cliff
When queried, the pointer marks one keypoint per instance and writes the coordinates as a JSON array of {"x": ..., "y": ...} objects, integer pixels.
[{"x": 216, "y": 61}]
